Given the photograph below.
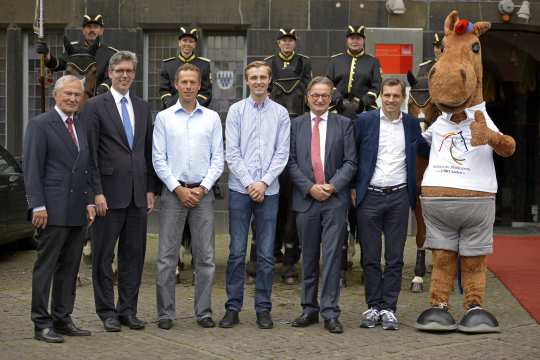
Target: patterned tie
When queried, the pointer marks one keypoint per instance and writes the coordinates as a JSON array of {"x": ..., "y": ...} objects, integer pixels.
[
  {"x": 69, "y": 122},
  {"x": 127, "y": 122},
  {"x": 316, "y": 162}
]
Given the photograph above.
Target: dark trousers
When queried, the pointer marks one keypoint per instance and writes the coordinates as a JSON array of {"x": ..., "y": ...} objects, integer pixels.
[
  {"x": 287, "y": 235},
  {"x": 384, "y": 214},
  {"x": 321, "y": 228},
  {"x": 128, "y": 226},
  {"x": 59, "y": 250}
]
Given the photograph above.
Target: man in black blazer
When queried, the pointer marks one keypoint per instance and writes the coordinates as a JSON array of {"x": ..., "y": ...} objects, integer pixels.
[
  {"x": 321, "y": 166},
  {"x": 124, "y": 184},
  {"x": 387, "y": 142},
  {"x": 57, "y": 179}
]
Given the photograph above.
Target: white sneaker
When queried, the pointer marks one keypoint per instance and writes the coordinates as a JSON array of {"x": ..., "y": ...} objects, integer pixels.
[
  {"x": 370, "y": 318},
  {"x": 389, "y": 320}
]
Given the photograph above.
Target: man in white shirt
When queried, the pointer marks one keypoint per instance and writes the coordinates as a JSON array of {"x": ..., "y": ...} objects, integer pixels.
[
  {"x": 187, "y": 154},
  {"x": 387, "y": 141}
]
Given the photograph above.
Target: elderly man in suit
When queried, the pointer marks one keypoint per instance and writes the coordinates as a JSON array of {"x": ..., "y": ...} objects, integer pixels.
[
  {"x": 321, "y": 165},
  {"x": 124, "y": 185},
  {"x": 387, "y": 142},
  {"x": 57, "y": 178}
]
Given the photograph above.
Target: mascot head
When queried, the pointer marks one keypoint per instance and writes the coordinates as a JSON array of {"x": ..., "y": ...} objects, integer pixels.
[{"x": 455, "y": 81}]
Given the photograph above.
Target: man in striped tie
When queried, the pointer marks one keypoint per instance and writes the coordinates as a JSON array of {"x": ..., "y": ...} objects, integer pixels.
[
  {"x": 321, "y": 165},
  {"x": 57, "y": 180}
]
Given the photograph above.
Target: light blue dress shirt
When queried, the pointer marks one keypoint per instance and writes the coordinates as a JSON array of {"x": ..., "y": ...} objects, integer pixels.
[
  {"x": 188, "y": 147},
  {"x": 257, "y": 144}
]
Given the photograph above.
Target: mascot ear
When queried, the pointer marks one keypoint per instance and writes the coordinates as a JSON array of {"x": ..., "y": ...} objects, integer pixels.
[
  {"x": 481, "y": 27},
  {"x": 450, "y": 22}
]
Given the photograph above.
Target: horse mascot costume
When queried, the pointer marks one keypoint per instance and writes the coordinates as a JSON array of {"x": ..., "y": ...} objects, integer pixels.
[{"x": 459, "y": 185}]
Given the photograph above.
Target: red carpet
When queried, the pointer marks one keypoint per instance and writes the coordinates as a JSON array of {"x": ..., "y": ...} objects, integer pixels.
[{"x": 516, "y": 262}]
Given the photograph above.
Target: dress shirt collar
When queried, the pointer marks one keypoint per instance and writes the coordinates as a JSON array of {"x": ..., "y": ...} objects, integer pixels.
[
  {"x": 323, "y": 117},
  {"x": 178, "y": 107},
  {"x": 117, "y": 96},
  {"x": 385, "y": 118},
  {"x": 62, "y": 114},
  {"x": 258, "y": 105}
]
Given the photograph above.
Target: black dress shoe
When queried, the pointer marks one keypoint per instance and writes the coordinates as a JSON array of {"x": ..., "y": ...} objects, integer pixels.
[
  {"x": 206, "y": 322},
  {"x": 229, "y": 319},
  {"x": 112, "y": 325},
  {"x": 165, "y": 324},
  {"x": 48, "y": 335},
  {"x": 305, "y": 320},
  {"x": 71, "y": 330},
  {"x": 133, "y": 322},
  {"x": 264, "y": 320},
  {"x": 333, "y": 326}
]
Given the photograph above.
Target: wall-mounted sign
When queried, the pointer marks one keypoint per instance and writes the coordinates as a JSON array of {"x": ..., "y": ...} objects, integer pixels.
[
  {"x": 225, "y": 79},
  {"x": 395, "y": 58}
]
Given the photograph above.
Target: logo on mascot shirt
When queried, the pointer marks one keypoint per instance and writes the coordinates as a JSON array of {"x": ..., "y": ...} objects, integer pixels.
[{"x": 456, "y": 146}]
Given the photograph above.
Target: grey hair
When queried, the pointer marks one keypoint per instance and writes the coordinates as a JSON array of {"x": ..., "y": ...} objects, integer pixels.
[
  {"x": 60, "y": 83},
  {"x": 320, "y": 80},
  {"x": 123, "y": 55}
]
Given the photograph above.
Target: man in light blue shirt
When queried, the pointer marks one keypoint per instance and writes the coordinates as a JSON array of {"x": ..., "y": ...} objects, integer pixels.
[
  {"x": 187, "y": 154},
  {"x": 257, "y": 150}
]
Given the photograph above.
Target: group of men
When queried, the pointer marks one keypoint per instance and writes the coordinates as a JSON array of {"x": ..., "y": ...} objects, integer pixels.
[{"x": 110, "y": 161}]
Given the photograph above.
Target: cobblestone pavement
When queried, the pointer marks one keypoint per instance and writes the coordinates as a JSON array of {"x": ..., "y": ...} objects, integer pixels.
[{"x": 520, "y": 338}]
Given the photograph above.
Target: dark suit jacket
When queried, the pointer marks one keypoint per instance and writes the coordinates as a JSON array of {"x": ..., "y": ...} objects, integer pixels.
[
  {"x": 56, "y": 174},
  {"x": 118, "y": 172},
  {"x": 339, "y": 164},
  {"x": 367, "y": 127}
]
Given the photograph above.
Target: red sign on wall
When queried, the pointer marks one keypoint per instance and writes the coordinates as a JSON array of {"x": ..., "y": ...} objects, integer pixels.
[{"x": 395, "y": 58}]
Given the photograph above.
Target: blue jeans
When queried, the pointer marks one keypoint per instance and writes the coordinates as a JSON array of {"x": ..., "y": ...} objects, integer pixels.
[{"x": 241, "y": 207}]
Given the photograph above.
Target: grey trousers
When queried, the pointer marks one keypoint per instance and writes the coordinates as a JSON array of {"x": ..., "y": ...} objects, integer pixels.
[{"x": 172, "y": 219}]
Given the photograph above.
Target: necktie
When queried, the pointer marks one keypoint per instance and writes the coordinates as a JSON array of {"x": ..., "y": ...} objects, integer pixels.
[
  {"x": 127, "y": 122},
  {"x": 69, "y": 122},
  {"x": 316, "y": 162}
]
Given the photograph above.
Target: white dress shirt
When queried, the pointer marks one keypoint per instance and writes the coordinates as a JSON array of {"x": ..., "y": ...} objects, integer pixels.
[
  {"x": 64, "y": 118},
  {"x": 117, "y": 97},
  {"x": 322, "y": 133},
  {"x": 188, "y": 147},
  {"x": 391, "y": 166}
]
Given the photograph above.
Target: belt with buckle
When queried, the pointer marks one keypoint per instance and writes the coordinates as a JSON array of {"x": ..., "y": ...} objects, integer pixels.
[
  {"x": 387, "y": 189},
  {"x": 189, "y": 186}
]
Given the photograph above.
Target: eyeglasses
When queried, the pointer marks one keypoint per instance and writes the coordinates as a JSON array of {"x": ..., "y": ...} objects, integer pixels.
[
  {"x": 124, "y": 71},
  {"x": 319, "y": 96}
]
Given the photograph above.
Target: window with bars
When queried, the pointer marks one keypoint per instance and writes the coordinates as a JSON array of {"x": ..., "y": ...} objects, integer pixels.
[
  {"x": 161, "y": 45},
  {"x": 227, "y": 52},
  {"x": 3, "y": 115}
]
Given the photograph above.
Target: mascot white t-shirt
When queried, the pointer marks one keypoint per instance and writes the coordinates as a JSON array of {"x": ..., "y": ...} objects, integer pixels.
[{"x": 453, "y": 161}]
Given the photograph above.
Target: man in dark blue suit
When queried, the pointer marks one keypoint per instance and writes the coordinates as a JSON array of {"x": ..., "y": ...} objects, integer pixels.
[
  {"x": 322, "y": 163},
  {"x": 124, "y": 184},
  {"x": 57, "y": 179},
  {"x": 387, "y": 142}
]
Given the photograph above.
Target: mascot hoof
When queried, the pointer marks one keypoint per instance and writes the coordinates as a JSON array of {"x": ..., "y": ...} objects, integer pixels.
[
  {"x": 478, "y": 321},
  {"x": 417, "y": 285},
  {"x": 436, "y": 319}
]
